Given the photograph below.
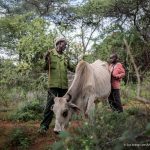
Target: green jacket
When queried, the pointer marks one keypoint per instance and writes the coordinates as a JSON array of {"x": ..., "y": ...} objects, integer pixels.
[{"x": 58, "y": 71}]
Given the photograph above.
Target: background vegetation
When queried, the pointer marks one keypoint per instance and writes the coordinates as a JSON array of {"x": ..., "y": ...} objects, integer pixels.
[{"x": 94, "y": 29}]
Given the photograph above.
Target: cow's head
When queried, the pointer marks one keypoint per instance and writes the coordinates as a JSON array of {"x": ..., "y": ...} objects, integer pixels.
[{"x": 63, "y": 109}]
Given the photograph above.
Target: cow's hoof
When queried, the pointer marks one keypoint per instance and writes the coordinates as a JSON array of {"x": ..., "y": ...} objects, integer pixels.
[{"x": 56, "y": 132}]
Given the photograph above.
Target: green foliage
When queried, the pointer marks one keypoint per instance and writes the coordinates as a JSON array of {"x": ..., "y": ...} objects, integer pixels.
[
  {"x": 29, "y": 111},
  {"x": 12, "y": 28},
  {"x": 27, "y": 36},
  {"x": 19, "y": 139},
  {"x": 8, "y": 73},
  {"x": 34, "y": 106},
  {"x": 148, "y": 129},
  {"x": 59, "y": 145},
  {"x": 128, "y": 91},
  {"x": 36, "y": 41},
  {"x": 108, "y": 130},
  {"x": 89, "y": 58},
  {"x": 96, "y": 7},
  {"x": 146, "y": 86},
  {"x": 19, "y": 79},
  {"x": 7, "y": 82},
  {"x": 111, "y": 44},
  {"x": 133, "y": 111}
]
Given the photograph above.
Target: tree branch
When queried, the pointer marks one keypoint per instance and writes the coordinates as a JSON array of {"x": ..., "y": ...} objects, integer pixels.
[
  {"x": 138, "y": 97},
  {"x": 135, "y": 67}
]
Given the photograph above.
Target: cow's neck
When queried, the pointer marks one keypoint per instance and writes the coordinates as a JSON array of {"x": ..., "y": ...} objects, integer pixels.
[
  {"x": 75, "y": 90},
  {"x": 79, "y": 81}
]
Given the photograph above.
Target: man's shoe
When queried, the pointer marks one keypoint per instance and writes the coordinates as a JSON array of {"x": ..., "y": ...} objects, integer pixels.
[{"x": 42, "y": 130}]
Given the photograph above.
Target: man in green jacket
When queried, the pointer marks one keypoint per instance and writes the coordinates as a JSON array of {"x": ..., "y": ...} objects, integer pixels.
[{"x": 57, "y": 65}]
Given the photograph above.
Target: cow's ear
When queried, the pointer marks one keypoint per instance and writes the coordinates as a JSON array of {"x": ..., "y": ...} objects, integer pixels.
[
  {"x": 68, "y": 97},
  {"x": 74, "y": 107}
]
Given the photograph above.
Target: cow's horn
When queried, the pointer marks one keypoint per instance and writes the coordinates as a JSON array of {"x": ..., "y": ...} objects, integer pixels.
[{"x": 68, "y": 98}]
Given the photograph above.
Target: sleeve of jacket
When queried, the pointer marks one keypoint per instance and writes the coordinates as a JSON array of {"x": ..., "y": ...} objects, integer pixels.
[
  {"x": 46, "y": 65},
  {"x": 47, "y": 61},
  {"x": 119, "y": 71}
]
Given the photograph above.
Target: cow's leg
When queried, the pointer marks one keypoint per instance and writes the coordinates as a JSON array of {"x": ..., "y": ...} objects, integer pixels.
[{"x": 90, "y": 106}]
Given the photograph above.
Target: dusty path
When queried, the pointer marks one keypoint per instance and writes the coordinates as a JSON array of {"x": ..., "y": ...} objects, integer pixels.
[{"x": 38, "y": 142}]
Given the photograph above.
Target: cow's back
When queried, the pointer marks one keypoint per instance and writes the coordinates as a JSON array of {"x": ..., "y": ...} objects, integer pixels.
[{"x": 101, "y": 78}]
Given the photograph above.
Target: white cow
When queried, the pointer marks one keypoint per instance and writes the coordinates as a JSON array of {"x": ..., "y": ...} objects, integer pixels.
[{"x": 91, "y": 81}]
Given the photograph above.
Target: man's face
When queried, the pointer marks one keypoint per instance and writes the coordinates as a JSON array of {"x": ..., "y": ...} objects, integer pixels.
[
  {"x": 112, "y": 58},
  {"x": 61, "y": 46}
]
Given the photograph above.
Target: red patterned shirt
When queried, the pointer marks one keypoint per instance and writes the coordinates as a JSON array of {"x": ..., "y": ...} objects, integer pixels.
[{"x": 117, "y": 73}]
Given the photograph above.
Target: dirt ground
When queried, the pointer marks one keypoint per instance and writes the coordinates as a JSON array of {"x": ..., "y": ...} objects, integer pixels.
[{"x": 38, "y": 141}]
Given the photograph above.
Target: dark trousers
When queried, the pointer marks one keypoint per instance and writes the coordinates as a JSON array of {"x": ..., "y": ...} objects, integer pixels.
[
  {"x": 114, "y": 100},
  {"x": 48, "y": 113}
]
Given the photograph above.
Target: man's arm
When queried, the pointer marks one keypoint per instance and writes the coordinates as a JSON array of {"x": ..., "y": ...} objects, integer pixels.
[
  {"x": 47, "y": 61},
  {"x": 119, "y": 71}
]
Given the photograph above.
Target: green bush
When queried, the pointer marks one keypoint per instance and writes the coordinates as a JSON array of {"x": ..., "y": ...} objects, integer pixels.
[
  {"x": 19, "y": 139},
  {"x": 25, "y": 116},
  {"x": 29, "y": 111},
  {"x": 32, "y": 106},
  {"x": 133, "y": 111},
  {"x": 107, "y": 131}
]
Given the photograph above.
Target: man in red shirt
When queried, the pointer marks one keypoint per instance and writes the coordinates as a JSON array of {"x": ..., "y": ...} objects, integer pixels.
[{"x": 117, "y": 73}]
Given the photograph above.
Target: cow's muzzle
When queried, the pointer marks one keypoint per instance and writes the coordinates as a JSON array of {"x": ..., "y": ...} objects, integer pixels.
[{"x": 56, "y": 132}]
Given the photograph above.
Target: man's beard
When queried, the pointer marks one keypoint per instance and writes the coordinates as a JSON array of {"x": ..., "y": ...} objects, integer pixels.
[{"x": 60, "y": 50}]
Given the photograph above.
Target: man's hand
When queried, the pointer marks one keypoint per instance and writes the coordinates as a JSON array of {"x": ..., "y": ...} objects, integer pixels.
[
  {"x": 47, "y": 61},
  {"x": 47, "y": 56}
]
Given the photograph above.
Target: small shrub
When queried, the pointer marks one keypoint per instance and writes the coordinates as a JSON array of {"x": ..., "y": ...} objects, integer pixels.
[
  {"x": 29, "y": 111},
  {"x": 107, "y": 131},
  {"x": 19, "y": 139},
  {"x": 133, "y": 110},
  {"x": 25, "y": 116},
  {"x": 33, "y": 106}
]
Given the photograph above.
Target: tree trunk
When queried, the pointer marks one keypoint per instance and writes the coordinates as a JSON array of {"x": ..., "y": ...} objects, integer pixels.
[{"x": 136, "y": 72}]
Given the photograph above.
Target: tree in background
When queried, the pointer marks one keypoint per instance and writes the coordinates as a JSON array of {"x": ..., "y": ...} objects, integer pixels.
[{"x": 98, "y": 26}]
